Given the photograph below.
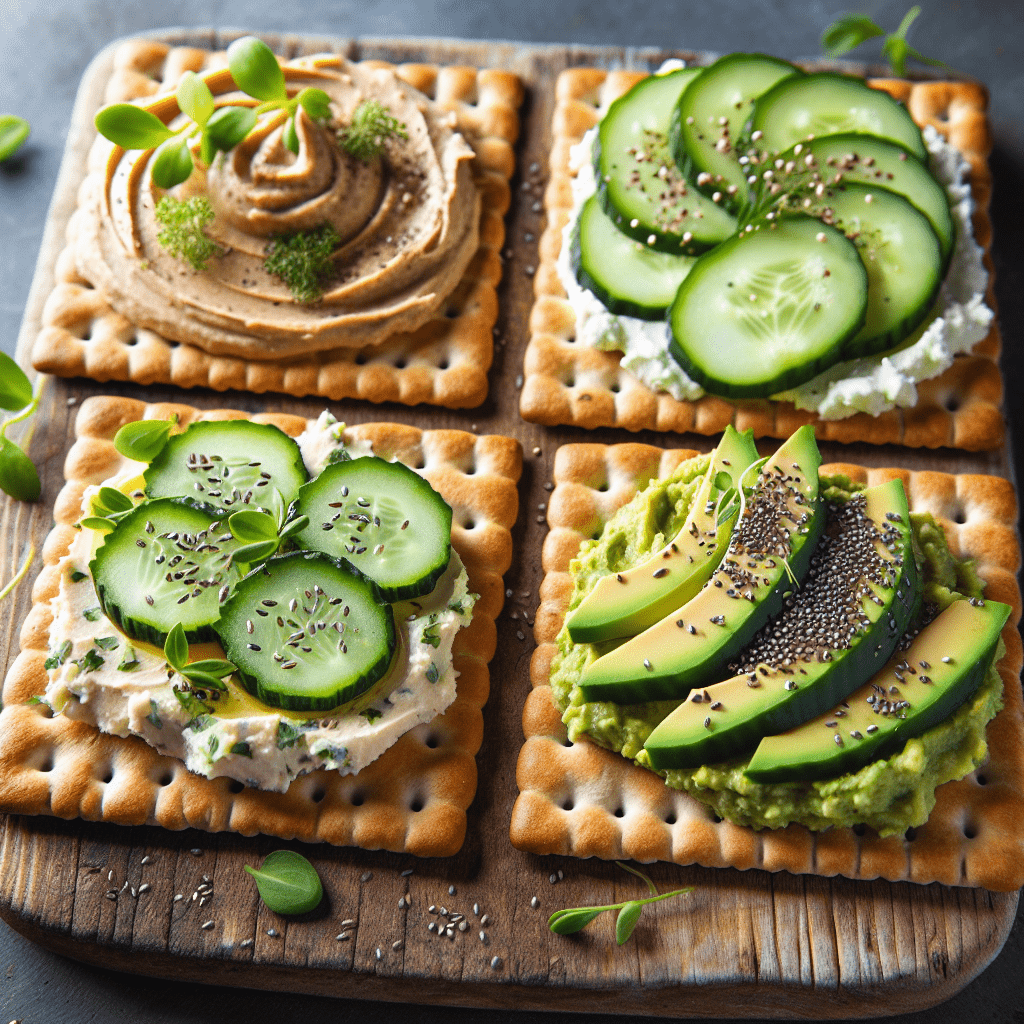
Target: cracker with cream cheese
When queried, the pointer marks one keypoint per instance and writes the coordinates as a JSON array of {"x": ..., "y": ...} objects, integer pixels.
[
  {"x": 412, "y": 798},
  {"x": 578, "y": 799},
  {"x": 566, "y": 382}
]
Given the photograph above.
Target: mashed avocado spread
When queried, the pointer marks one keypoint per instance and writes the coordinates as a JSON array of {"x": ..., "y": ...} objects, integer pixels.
[{"x": 889, "y": 795}]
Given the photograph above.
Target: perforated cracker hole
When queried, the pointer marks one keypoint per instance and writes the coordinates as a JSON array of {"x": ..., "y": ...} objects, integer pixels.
[
  {"x": 970, "y": 831},
  {"x": 107, "y": 776},
  {"x": 619, "y": 812},
  {"x": 443, "y": 364},
  {"x": 318, "y": 794},
  {"x": 166, "y": 779},
  {"x": 670, "y": 819},
  {"x": 416, "y": 804},
  {"x": 568, "y": 804},
  {"x": 982, "y": 780},
  {"x": 615, "y": 388},
  {"x": 45, "y": 761},
  {"x": 360, "y": 359},
  {"x": 451, "y": 312},
  {"x": 910, "y": 835},
  {"x": 958, "y": 514},
  {"x": 952, "y": 403},
  {"x": 859, "y": 829},
  {"x": 234, "y": 786},
  {"x": 432, "y": 742},
  {"x": 357, "y": 799},
  {"x": 401, "y": 363}
]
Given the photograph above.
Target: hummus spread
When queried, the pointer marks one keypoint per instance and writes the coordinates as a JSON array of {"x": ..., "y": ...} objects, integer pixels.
[
  {"x": 408, "y": 221},
  {"x": 99, "y": 676},
  {"x": 875, "y": 384},
  {"x": 890, "y": 795}
]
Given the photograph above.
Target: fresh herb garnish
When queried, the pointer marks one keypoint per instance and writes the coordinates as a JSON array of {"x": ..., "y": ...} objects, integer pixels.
[
  {"x": 574, "y": 919},
  {"x": 241, "y": 748},
  {"x": 14, "y": 131},
  {"x": 130, "y": 660},
  {"x": 142, "y": 440},
  {"x": 183, "y": 235},
  {"x": 371, "y": 714},
  {"x": 432, "y": 673},
  {"x": 111, "y": 503},
  {"x": 92, "y": 614},
  {"x": 303, "y": 261},
  {"x": 287, "y": 734},
  {"x": 107, "y": 643},
  {"x": 77, "y": 576},
  {"x": 432, "y": 636},
  {"x": 850, "y": 31},
  {"x": 207, "y": 673},
  {"x": 90, "y": 661},
  {"x": 288, "y": 883},
  {"x": 59, "y": 656},
  {"x": 371, "y": 128},
  {"x": 154, "y": 715},
  {"x": 18, "y": 477}
]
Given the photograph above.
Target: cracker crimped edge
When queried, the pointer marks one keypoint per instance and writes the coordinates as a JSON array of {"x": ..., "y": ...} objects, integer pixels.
[
  {"x": 443, "y": 363},
  {"x": 567, "y": 383},
  {"x": 411, "y": 799},
  {"x": 578, "y": 799}
]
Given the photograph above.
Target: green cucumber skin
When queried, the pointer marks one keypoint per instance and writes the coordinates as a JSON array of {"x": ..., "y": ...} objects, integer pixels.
[
  {"x": 231, "y": 633},
  {"x": 784, "y": 378}
]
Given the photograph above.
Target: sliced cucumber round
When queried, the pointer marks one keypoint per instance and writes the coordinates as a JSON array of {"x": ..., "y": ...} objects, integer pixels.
[
  {"x": 711, "y": 114},
  {"x": 866, "y": 159},
  {"x": 167, "y": 561},
  {"x": 901, "y": 254},
  {"x": 638, "y": 183},
  {"x": 384, "y": 519},
  {"x": 825, "y": 103},
  {"x": 231, "y": 464},
  {"x": 630, "y": 278},
  {"x": 307, "y": 632},
  {"x": 768, "y": 309}
]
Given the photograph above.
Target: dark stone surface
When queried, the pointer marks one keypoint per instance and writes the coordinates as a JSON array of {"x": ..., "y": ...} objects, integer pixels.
[{"x": 44, "y": 48}]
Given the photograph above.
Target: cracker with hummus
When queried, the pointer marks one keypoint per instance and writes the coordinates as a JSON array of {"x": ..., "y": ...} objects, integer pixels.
[
  {"x": 580, "y": 799},
  {"x": 407, "y": 313},
  {"x": 393, "y": 770},
  {"x": 575, "y": 371}
]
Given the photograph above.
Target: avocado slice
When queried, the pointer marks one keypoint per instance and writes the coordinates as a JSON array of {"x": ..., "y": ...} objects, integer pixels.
[
  {"x": 779, "y": 526},
  {"x": 625, "y": 603},
  {"x": 841, "y": 626},
  {"x": 917, "y": 689}
]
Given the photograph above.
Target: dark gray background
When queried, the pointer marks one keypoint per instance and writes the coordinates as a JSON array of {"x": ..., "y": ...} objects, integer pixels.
[{"x": 44, "y": 48}]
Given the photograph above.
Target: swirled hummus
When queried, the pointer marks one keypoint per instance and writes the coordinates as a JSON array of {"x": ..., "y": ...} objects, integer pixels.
[{"x": 408, "y": 222}]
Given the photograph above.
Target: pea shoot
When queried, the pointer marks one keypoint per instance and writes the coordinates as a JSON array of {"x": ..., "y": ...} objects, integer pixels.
[
  {"x": 14, "y": 131},
  {"x": 852, "y": 30}
]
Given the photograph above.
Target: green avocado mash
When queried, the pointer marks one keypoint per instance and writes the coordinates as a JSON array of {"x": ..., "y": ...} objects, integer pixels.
[{"x": 890, "y": 795}]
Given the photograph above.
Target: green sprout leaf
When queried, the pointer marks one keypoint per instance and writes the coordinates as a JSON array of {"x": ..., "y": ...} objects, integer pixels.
[
  {"x": 626, "y": 920},
  {"x": 194, "y": 98},
  {"x": 251, "y": 526},
  {"x": 228, "y": 126},
  {"x": 294, "y": 526},
  {"x": 255, "y": 69},
  {"x": 109, "y": 501},
  {"x": 176, "y": 647},
  {"x": 14, "y": 131},
  {"x": 216, "y": 667},
  {"x": 848, "y": 33},
  {"x": 303, "y": 261},
  {"x": 18, "y": 477},
  {"x": 575, "y": 919},
  {"x": 371, "y": 128},
  {"x": 142, "y": 440},
  {"x": 15, "y": 387},
  {"x": 101, "y": 524},
  {"x": 183, "y": 236},
  {"x": 202, "y": 679},
  {"x": 316, "y": 103},
  {"x": 290, "y": 136},
  {"x": 258, "y": 552},
  {"x": 131, "y": 127},
  {"x": 288, "y": 883}
]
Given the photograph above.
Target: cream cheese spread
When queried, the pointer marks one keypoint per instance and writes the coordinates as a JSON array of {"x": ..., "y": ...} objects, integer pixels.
[
  {"x": 960, "y": 318},
  {"x": 99, "y": 676}
]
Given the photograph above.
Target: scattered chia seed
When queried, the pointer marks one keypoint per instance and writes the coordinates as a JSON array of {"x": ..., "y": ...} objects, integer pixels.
[
  {"x": 496, "y": 963},
  {"x": 206, "y": 926},
  {"x": 535, "y": 903},
  {"x": 273, "y": 933}
]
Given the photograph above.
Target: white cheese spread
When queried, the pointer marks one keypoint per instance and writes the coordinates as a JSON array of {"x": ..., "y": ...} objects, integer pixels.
[
  {"x": 960, "y": 318},
  {"x": 99, "y": 676}
]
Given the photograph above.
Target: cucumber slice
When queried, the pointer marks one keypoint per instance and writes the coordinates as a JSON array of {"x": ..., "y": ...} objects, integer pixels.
[
  {"x": 768, "y": 309},
  {"x": 865, "y": 159},
  {"x": 825, "y": 103},
  {"x": 384, "y": 519},
  {"x": 167, "y": 561},
  {"x": 638, "y": 183},
  {"x": 630, "y": 278},
  {"x": 230, "y": 464},
  {"x": 307, "y": 632},
  {"x": 711, "y": 114},
  {"x": 901, "y": 255}
]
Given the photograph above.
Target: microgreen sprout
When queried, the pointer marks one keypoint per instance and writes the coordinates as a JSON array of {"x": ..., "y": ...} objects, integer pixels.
[
  {"x": 18, "y": 477},
  {"x": 255, "y": 71},
  {"x": 142, "y": 440},
  {"x": 208, "y": 673},
  {"x": 287, "y": 883},
  {"x": 303, "y": 261},
  {"x": 372, "y": 126},
  {"x": 14, "y": 131},
  {"x": 20, "y": 574},
  {"x": 852, "y": 30},
  {"x": 574, "y": 919},
  {"x": 183, "y": 235}
]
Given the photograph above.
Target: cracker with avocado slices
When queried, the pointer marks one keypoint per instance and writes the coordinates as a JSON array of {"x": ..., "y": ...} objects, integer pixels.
[
  {"x": 413, "y": 798},
  {"x": 566, "y": 382},
  {"x": 579, "y": 799}
]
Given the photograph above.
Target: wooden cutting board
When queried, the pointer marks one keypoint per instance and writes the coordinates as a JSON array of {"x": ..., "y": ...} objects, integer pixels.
[{"x": 745, "y": 944}]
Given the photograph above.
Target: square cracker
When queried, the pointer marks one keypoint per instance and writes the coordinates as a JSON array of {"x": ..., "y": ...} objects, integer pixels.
[
  {"x": 445, "y": 362},
  {"x": 567, "y": 383},
  {"x": 581, "y": 800},
  {"x": 413, "y": 798}
]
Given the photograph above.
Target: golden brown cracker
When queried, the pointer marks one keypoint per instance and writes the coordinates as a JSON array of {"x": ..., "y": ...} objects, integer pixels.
[
  {"x": 567, "y": 383},
  {"x": 580, "y": 800},
  {"x": 413, "y": 798},
  {"x": 444, "y": 363}
]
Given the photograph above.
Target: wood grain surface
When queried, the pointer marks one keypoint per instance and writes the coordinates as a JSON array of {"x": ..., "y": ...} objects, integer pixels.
[{"x": 744, "y": 944}]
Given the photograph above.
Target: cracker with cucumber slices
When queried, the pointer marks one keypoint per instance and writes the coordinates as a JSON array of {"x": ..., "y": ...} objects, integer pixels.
[
  {"x": 443, "y": 361},
  {"x": 566, "y": 382},
  {"x": 414, "y": 796},
  {"x": 580, "y": 799}
]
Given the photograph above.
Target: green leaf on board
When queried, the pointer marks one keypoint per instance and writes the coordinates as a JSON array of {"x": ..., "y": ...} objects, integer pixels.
[
  {"x": 15, "y": 387},
  {"x": 18, "y": 477},
  {"x": 14, "y": 131},
  {"x": 287, "y": 883}
]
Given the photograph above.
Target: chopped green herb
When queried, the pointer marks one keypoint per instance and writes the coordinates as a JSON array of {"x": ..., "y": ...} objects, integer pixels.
[
  {"x": 59, "y": 656},
  {"x": 200, "y": 713},
  {"x": 372, "y": 126},
  {"x": 241, "y": 748},
  {"x": 432, "y": 673},
  {"x": 154, "y": 715},
  {"x": 183, "y": 235},
  {"x": 287, "y": 734},
  {"x": 130, "y": 661},
  {"x": 432, "y": 636},
  {"x": 90, "y": 661},
  {"x": 371, "y": 714},
  {"x": 107, "y": 643},
  {"x": 92, "y": 614},
  {"x": 34, "y": 700},
  {"x": 339, "y": 455},
  {"x": 303, "y": 261},
  {"x": 77, "y": 577}
]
